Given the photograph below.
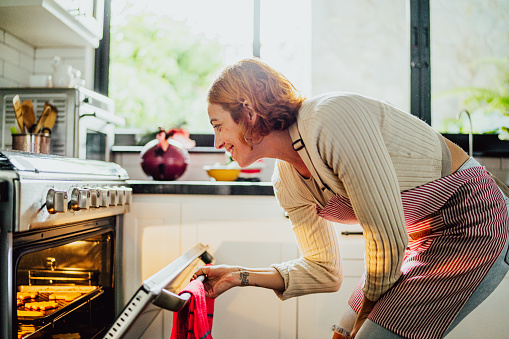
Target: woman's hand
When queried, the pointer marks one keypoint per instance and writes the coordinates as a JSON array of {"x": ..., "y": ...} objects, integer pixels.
[{"x": 219, "y": 279}]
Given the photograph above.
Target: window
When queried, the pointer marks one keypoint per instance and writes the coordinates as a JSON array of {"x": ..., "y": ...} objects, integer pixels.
[
  {"x": 163, "y": 52},
  {"x": 469, "y": 65},
  {"x": 359, "y": 46}
]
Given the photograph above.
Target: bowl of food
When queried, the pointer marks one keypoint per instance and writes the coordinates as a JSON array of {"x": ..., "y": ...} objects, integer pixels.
[{"x": 219, "y": 172}]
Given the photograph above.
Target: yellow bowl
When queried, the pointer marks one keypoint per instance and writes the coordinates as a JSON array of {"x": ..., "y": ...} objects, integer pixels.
[{"x": 223, "y": 174}]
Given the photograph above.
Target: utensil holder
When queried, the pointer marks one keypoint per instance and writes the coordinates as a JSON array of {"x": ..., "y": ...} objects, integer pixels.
[{"x": 31, "y": 142}]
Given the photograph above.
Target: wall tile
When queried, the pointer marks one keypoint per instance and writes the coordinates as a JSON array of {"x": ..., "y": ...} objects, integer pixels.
[
  {"x": 505, "y": 164},
  {"x": 2, "y": 35},
  {"x": 26, "y": 62},
  {"x": 9, "y": 54},
  {"x": 8, "y": 82},
  {"x": 492, "y": 164},
  {"x": 43, "y": 66},
  {"x": 17, "y": 74},
  {"x": 19, "y": 45},
  {"x": 502, "y": 175}
]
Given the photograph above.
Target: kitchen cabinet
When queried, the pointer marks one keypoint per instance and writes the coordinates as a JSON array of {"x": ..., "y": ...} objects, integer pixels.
[
  {"x": 247, "y": 230},
  {"x": 46, "y": 23},
  {"x": 318, "y": 312},
  {"x": 252, "y": 231}
]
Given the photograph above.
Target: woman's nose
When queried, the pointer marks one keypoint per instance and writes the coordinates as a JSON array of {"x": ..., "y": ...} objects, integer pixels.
[{"x": 218, "y": 143}]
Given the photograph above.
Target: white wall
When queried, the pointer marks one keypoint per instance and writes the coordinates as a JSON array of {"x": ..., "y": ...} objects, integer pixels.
[
  {"x": 19, "y": 60},
  {"x": 361, "y": 46}
]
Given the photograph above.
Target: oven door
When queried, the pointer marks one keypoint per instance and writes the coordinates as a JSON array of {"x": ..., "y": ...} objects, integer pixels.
[
  {"x": 63, "y": 280},
  {"x": 96, "y": 132},
  {"x": 157, "y": 293}
]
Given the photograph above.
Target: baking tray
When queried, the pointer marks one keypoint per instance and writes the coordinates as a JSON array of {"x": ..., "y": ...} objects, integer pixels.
[{"x": 63, "y": 308}]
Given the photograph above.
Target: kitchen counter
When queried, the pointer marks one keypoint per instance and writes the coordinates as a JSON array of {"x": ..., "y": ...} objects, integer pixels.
[{"x": 201, "y": 187}]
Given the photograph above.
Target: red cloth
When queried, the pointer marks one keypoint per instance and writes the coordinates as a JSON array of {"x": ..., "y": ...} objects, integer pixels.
[{"x": 194, "y": 321}]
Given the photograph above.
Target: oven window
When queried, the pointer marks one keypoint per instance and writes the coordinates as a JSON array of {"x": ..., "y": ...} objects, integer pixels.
[
  {"x": 67, "y": 288},
  {"x": 96, "y": 145}
]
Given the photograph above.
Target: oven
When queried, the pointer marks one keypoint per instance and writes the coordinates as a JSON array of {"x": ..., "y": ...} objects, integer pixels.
[
  {"x": 85, "y": 122},
  {"x": 61, "y": 231}
]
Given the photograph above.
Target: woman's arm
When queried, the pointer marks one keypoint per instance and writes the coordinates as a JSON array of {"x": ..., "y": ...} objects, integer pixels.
[{"x": 222, "y": 277}]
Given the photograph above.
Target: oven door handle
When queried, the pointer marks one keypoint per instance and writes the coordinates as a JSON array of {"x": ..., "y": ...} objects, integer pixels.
[
  {"x": 173, "y": 302},
  {"x": 167, "y": 299}
]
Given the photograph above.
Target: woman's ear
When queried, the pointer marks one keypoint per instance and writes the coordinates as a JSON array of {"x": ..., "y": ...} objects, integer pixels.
[{"x": 251, "y": 115}]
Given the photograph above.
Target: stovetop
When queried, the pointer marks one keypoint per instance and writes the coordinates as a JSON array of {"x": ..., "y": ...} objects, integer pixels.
[
  {"x": 38, "y": 166},
  {"x": 49, "y": 190}
]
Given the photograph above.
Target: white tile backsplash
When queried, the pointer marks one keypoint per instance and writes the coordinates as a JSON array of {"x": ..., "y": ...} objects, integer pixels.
[
  {"x": 499, "y": 167},
  {"x": 19, "y": 45},
  {"x": 4, "y": 82},
  {"x": 505, "y": 163},
  {"x": 19, "y": 60},
  {"x": 26, "y": 62},
  {"x": 490, "y": 162},
  {"x": 8, "y": 53},
  {"x": 16, "y": 73}
]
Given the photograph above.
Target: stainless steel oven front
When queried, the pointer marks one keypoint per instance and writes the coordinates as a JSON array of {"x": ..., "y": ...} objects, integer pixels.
[
  {"x": 61, "y": 225},
  {"x": 85, "y": 122}
]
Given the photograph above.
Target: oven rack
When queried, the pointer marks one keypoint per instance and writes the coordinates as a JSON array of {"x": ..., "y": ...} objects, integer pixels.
[
  {"x": 64, "y": 307},
  {"x": 62, "y": 276}
]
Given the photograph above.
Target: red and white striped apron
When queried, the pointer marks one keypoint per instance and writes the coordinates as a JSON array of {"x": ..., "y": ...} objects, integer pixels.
[{"x": 458, "y": 226}]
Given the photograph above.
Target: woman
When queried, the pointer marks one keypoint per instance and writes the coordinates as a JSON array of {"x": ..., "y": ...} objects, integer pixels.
[{"x": 435, "y": 222}]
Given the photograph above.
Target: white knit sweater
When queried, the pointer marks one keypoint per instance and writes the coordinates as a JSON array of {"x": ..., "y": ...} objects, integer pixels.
[{"x": 368, "y": 151}]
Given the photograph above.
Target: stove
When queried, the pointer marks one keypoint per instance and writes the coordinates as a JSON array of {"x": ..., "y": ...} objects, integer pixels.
[{"x": 61, "y": 223}]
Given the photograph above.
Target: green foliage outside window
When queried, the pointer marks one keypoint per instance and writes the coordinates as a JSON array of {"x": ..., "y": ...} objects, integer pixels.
[
  {"x": 159, "y": 73},
  {"x": 490, "y": 102}
]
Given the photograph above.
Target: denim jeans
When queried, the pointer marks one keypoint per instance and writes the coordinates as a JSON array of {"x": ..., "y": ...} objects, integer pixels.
[{"x": 371, "y": 330}]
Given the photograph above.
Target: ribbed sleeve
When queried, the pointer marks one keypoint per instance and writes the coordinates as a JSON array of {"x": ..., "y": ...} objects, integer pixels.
[
  {"x": 318, "y": 270},
  {"x": 367, "y": 151}
]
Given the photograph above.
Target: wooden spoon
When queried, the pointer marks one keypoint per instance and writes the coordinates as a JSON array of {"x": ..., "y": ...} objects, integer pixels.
[
  {"x": 43, "y": 117},
  {"x": 19, "y": 113},
  {"x": 48, "y": 124},
  {"x": 28, "y": 114}
]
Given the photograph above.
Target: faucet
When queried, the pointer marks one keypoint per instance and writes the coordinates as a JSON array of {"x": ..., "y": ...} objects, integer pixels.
[{"x": 470, "y": 136}]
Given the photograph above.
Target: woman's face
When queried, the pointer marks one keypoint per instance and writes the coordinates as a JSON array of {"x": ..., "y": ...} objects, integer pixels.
[{"x": 227, "y": 135}]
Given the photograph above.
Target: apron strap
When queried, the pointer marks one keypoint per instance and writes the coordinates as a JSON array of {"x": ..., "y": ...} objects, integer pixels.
[{"x": 300, "y": 147}]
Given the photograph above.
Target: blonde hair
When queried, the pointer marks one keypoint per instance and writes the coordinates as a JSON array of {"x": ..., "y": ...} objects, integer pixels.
[{"x": 271, "y": 95}]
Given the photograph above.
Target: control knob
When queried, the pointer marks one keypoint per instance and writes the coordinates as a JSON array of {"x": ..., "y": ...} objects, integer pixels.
[
  {"x": 56, "y": 201},
  {"x": 113, "y": 196},
  {"x": 94, "y": 197},
  {"x": 80, "y": 199},
  {"x": 104, "y": 197},
  {"x": 128, "y": 195},
  {"x": 120, "y": 195}
]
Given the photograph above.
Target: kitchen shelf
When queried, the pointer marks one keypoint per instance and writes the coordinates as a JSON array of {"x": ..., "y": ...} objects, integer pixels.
[{"x": 44, "y": 23}]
